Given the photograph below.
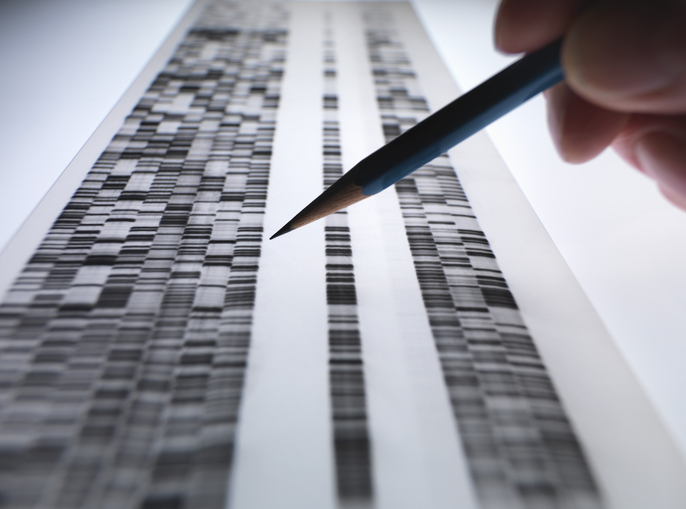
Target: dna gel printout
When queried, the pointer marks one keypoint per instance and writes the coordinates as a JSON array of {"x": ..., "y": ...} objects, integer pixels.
[{"x": 157, "y": 352}]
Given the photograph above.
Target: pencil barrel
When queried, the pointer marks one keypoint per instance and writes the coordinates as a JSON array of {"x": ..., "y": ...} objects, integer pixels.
[{"x": 460, "y": 119}]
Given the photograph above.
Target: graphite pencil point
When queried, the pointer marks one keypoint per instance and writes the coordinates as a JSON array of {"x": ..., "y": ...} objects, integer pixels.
[{"x": 282, "y": 231}]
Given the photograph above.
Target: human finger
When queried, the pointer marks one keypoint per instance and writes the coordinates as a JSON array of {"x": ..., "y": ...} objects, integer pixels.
[
  {"x": 679, "y": 200},
  {"x": 526, "y": 25},
  {"x": 629, "y": 55},
  {"x": 580, "y": 129}
]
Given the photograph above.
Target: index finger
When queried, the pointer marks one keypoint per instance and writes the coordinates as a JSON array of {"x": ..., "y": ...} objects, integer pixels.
[{"x": 526, "y": 25}]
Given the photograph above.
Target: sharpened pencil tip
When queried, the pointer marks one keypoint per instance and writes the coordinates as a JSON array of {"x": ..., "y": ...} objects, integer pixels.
[{"x": 282, "y": 231}]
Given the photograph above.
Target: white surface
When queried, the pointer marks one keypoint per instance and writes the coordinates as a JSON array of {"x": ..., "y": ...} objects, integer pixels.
[{"x": 622, "y": 241}]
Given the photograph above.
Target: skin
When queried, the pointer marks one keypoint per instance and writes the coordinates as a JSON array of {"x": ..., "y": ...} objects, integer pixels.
[{"x": 625, "y": 79}]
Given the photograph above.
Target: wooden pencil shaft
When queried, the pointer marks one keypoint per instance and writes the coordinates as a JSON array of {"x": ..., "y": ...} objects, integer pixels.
[{"x": 341, "y": 194}]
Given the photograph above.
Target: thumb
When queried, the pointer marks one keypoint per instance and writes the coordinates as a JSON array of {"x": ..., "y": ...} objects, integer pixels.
[{"x": 629, "y": 55}]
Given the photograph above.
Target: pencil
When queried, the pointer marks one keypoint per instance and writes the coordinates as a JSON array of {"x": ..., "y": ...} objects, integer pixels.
[{"x": 437, "y": 133}]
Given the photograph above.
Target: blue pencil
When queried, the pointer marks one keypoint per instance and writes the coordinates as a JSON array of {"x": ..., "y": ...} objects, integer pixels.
[{"x": 438, "y": 133}]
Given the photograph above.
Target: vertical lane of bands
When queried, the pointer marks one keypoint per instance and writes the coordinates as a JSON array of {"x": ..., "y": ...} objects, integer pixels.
[
  {"x": 417, "y": 461},
  {"x": 284, "y": 455},
  {"x": 520, "y": 447},
  {"x": 347, "y": 384}
]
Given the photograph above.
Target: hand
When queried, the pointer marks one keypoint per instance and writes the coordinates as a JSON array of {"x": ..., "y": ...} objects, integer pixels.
[{"x": 625, "y": 79}]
